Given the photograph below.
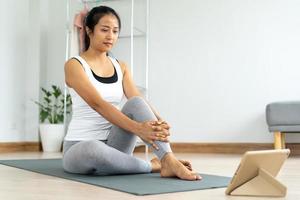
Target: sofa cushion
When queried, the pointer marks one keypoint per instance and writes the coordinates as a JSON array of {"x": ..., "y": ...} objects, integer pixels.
[{"x": 283, "y": 114}]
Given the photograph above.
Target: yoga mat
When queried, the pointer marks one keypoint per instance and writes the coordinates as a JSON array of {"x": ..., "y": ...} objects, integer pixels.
[{"x": 138, "y": 184}]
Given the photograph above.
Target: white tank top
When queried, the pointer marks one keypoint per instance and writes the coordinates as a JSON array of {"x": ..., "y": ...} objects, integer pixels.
[{"x": 86, "y": 123}]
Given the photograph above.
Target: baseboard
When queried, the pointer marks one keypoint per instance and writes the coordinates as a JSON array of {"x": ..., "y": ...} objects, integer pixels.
[
  {"x": 224, "y": 148},
  {"x": 19, "y": 146}
]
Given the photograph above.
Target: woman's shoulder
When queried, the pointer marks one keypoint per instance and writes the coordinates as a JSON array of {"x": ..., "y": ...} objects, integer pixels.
[
  {"x": 72, "y": 63},
  {"x": 73, "y": 71},
  {"x": 123, "y": 65},
  {"x": 74, "y": 60}
]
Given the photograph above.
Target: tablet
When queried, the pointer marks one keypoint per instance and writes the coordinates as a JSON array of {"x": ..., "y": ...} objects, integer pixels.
[{"x": 253, "y": 162}]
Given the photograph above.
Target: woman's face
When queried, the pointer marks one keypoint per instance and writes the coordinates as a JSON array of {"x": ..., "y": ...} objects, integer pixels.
[{"x": 105, "y": 33}]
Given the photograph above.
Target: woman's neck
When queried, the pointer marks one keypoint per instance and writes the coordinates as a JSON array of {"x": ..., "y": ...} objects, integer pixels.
[{"x": 94, "y": 55}]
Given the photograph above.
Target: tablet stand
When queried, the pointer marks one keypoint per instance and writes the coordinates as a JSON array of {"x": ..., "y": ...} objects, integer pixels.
[{"x": 263, "y": 184}]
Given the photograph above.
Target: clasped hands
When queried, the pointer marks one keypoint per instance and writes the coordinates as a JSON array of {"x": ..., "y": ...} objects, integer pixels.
[{"x": 152, "y": 131}]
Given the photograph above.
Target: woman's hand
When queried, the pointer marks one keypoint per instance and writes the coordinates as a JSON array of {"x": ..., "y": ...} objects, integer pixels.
[
  {"x": 151, "y": 131},
  {"x": 161, "y": 123}
]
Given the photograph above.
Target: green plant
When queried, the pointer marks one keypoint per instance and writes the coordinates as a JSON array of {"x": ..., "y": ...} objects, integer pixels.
[{"x": 52, "y": 105}]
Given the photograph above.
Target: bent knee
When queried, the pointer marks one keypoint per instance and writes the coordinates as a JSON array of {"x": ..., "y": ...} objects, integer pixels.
[
  {"x": 136, "y": 99},
  {"x": 138, "y": 109},
  {"x": 135, "y": 102}
]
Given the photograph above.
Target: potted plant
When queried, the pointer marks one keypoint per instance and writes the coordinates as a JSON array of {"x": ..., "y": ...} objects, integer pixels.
[{"x": 52, "y": 118}]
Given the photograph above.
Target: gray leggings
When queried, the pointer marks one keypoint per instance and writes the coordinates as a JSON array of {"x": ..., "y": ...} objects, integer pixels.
[{"x": 113, "y": 156}]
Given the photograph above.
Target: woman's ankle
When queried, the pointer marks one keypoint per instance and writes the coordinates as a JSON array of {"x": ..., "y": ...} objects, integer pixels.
[
  {"x": 155, "y": 165},
  {"x": 168, "y": 157}
]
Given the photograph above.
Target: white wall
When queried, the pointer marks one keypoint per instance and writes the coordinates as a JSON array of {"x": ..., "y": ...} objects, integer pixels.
[
  {"x": 19, "y": 77},
  {"x": 53, "y": 14},
  {"x": 13, "y": 39},
  {"x": 214, "y": 65},
  {"x": 32, "y": 72}
]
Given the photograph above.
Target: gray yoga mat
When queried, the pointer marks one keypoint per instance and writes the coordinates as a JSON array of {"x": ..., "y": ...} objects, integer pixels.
[{"x": 138, "y": 184}]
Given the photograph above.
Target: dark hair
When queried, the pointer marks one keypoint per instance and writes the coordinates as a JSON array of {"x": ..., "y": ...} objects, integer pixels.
[{"x": 93, "y": 18}]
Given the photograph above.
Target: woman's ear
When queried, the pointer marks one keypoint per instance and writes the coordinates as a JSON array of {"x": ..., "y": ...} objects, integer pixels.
[{"x": 88, "y": 30}]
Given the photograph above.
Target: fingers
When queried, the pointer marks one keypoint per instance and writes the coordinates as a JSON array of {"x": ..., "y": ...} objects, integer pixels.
[
  {"x": 162, "y": 139},
  {"x": 160, "y": 134},
  {"x": 165, "y": 126},
  {"x": 161, "y": 130},
  {"x": 159, "y": 137},
  {"x": 161, "y": 123},
  {"x": 155, "y": 132},
  {"x": 157, "y": 128},
  {"x": 164, "y": 133}
]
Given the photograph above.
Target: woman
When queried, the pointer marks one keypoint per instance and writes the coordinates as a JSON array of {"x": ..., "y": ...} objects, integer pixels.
[{"x": 101, "y": 138}]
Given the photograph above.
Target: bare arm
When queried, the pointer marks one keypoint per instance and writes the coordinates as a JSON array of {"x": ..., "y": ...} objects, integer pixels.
[{"x": 76, "y": 78}]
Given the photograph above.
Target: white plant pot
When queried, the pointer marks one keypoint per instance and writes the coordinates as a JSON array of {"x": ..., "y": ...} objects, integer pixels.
[{"x": 52, "y": 136}]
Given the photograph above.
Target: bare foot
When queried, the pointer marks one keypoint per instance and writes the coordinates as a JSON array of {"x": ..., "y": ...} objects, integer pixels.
[
  {"x": 187, "y": 164},
  {"x": 171, "y": 167},
  {"x": 156, "y": 166}
]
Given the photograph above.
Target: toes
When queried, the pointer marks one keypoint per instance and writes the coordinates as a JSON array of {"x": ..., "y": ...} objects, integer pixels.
[
  {"x": 193, "y": 178},
  {"x": 186, "y": 163},
  {"x": 198, "y": 177}
]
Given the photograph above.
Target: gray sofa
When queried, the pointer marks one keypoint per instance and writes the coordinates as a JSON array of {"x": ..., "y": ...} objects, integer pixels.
[{"x": 283, "y": 117}]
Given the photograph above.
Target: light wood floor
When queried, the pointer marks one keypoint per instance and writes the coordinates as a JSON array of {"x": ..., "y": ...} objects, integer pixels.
[{"x": 20, "y": 184}]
